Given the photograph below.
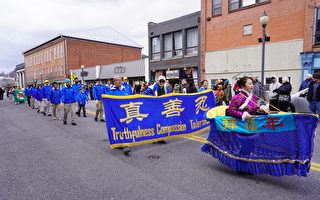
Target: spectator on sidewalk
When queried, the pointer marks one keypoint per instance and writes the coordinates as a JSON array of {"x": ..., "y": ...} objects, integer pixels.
[
  {"x": 258, "y": 90},
  {"x": 314, "y": 94},
  {"x": 284, "y": 94},
  {"x": 273, "y": 96},
  {"x": 305, "y": 84}
]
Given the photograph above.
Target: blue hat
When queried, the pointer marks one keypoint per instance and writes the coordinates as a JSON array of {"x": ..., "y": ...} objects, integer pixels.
[{"x": 67, "y": 80}]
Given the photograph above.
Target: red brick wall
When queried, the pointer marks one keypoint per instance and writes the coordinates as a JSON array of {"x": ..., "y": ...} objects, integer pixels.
[
  {"x": 91, "y": 54},
  {"x": 286, "y": 22},
  {"x": 309, "y": 25}
]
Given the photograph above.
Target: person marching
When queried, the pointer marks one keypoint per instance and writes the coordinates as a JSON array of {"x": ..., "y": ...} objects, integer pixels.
[
  {"x": 82, "y": 99},
  {"x": 32, "y": 93},
  {"x": 55, "y": 99},
  {"x": 27, "y": 94},
  {"x": 127, "y": 85},
  {"x": 68, "y": 98},
  {"x": 46, "y": 105},
  {"x": 119, "y": 90},
  {"x": 98, "y": 90},
  {"x": 77, "y": 85},
  {"x": 204, "y": 86},
  {"x": 38, "y": 97}
]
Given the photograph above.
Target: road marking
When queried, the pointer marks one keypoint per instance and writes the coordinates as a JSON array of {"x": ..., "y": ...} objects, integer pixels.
[{"x": 314, "y": 166}]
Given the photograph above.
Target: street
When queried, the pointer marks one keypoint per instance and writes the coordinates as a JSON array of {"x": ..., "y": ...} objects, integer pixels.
[{"x": 43, "y": 159}]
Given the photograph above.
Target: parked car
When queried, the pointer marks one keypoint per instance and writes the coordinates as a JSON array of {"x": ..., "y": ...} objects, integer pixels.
[{"x": 299, "y": 102}]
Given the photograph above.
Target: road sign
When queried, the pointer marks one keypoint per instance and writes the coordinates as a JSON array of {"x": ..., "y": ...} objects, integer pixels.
[{"x": 84, "y": 74}]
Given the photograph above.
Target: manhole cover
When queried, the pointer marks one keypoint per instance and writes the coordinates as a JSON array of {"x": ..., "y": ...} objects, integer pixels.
[{"x": 154, "y": 157}]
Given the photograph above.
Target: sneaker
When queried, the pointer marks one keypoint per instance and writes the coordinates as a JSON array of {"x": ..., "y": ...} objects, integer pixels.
[
  {"x": 162, "y": 142},
  {"x": 49, "y": 115},
  {"x": 73, "y": 124},
  {"x": 38, "y": 111},
  {"x": 126, "y": 150},
  {"x": 54, "y": 118},
  {"x": 102, "y": 120},
  {"x": 96, "y": 119},
  {"x": 84, "y": 115},
  {"x": 60, "y": 119},
  {"x": 64, "y": 122}
]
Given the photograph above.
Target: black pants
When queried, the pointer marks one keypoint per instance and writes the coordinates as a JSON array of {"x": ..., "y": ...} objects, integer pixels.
[
  {"x": 275, "y": 103},
  {"x": 28, "y": 97},
  {"x": 83, "y": 107}
]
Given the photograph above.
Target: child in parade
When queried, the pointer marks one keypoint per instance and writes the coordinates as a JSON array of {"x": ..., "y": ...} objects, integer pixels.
[{"x": 82, "y": 99}]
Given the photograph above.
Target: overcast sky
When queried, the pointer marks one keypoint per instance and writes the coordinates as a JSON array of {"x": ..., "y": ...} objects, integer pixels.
[{"x": 26, "y": 23}]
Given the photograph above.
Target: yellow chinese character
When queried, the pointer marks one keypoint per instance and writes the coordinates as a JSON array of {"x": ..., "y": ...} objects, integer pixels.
[
  {"x": 133, "y": 111},
  {"x": 229, "y": 123},
  {"x": 251, "y": 125},
  {"x": 172, "y": 108},
  {"x": 201, "y": 104}
]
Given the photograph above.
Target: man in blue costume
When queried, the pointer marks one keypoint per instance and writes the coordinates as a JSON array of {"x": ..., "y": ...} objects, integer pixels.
[
  {"x": 127, "y": 85},
  {"x": 98, "y": 90},
  {"x": 46, "y": 105},
  {"x": 68, "y": 98},
  {"x": 119, "y": 90}
]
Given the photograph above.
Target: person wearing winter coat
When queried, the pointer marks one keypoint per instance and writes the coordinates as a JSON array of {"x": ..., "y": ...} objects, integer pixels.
[
  {"x": 258, "y": 89},
  {"x": 305, "y": 84},
  {"x": 284, "y": 94},
  {"x": 98, "y": 90},
  {"x": 314, "y": 94},
  {"x": 273, "y": 96},
  {"x": 227, "y": 92},
  {"x": 46, "y": 105}
]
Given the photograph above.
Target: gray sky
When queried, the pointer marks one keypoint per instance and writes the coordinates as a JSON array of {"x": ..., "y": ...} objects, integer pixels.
[{"x": 26, "y": 23}]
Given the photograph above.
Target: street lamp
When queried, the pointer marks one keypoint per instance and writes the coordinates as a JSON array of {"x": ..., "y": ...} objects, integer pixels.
[
  {"x": 264, "y": 19},
  {"x": 82, "y": 77}
]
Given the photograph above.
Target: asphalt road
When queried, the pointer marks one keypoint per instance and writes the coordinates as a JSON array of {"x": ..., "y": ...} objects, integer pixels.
[{"x": 40, "y": 158}]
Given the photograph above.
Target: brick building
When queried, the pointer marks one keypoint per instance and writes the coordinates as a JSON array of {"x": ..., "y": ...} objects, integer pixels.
[
  {"x": 56, "y": 58},
  {"x": 174, "y": 48},
  {"x": 230, "y": 30},
  {"x": 310, "y": 57}
]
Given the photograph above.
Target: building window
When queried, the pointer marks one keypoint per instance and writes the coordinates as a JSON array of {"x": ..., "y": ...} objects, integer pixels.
[
  {"x": 155, "y": 51},
  {"x": 177, "y": 37},
  {"x": 50, "y": 54},
  {"x": 58, "y": 52},
  {"x": 167, "y": 46},
  {"x": 317, "y": 27},
  {"x": 192, "y": 41},
  {"x": 236, "y": 4},
  {"x": 61, "y": 49},
  {"x": 247, "y": 29},
  {"x": 217, "y": 7},
  {"x": 54, "y": 53}
]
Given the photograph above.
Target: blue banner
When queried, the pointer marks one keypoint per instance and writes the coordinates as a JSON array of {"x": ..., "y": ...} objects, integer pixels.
[
  {"x": 137, "y": 119},
  {"x": 273, "y": 152},
  {"x": 260, "y": 124}
]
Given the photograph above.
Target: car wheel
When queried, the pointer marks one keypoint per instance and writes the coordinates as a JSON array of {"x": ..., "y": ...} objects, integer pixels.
[{"x": 290, "y": 108}]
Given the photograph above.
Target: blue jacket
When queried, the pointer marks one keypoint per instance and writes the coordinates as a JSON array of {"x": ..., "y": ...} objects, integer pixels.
[
  {"x": 305, "y": 84},
  {"x": 55, "y": 96},
  {"x": 128, "y": 88},
  {"x": 32, "y": 91},
  {"x": 201, "y": 89},
  {"x": 46, "y": 91},
  {"x": 68, "y": 95},
  {"x": 98, "y": 90},
  {"x": 149, "y": 92},
  {"x": 118, "y": 92},
  {"x": 37, "y": 94},
  {"x": 26, "y": 92},
  {"x": 76, "y": 87},
  {"x": 156, "y": 87},
  {"x": 82, "y": 98}
]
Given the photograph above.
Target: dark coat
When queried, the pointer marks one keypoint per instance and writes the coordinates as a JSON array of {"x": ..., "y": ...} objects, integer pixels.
[
  {"x": 284, "y": 89},
  {"x": 310, "y": 92}
]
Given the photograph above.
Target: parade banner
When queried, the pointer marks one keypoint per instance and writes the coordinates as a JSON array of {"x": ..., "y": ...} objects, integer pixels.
[
  {"x": 137, "y": 119},
  {"x": 260, "y": 124},
  {"x": 276, "y": 150},
  {"x": 19, "y": 95}
]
